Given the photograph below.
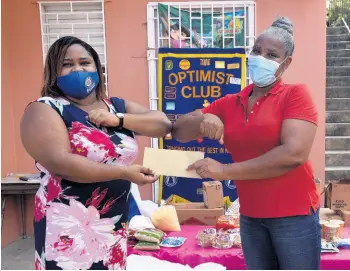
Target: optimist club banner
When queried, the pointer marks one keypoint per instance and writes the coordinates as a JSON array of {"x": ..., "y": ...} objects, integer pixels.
[{"x": 189, "y": 80}]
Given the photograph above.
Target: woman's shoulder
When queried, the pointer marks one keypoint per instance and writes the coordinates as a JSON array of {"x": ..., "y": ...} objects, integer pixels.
[
  {"x": 298, "y": 87},
  {"x": 297, "y": 91},
  {"x": 52, "y": 100},
  {"x": 55, "y": 103}
]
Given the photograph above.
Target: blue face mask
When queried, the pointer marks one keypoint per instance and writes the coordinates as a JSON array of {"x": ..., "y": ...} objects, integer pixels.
[
  {"x": 262, "y": 71},
  {"x": 78, "y": 84}
]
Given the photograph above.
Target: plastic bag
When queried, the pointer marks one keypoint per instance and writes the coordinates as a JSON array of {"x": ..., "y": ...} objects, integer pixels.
[
  {"x": 150, "y": 235},
  {"x": 173, "y": 242},
  {"x": 205, "y": 237},
  {"x": 344, "y": 243},
  {"x": 226, "y": 222},
  {"x": 146, "y": 246},
  {"x": 236, "y": 237},
  {"x": 140, "y": 222},
  {"x": 328, "y": 247},
  {"x": 165, "y": 218},
  {"x": 233, "y": 209},
  {"x": 222, "y": 240}
]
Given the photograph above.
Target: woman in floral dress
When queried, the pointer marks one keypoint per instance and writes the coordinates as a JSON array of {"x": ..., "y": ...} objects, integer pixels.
[{"x": 83, "y": 144}]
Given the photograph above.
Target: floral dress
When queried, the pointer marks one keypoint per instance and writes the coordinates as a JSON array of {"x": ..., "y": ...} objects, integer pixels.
[{"x": 81, "y": 225}]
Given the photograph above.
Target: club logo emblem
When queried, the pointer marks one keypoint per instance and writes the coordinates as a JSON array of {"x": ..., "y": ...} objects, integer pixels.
[
  {"x": 89, "y": 84},
  {"x": 229, "y": 184},
  {"x": 170, "y": 181}
]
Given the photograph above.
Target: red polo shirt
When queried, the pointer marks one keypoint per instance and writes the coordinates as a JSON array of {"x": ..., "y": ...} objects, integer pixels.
[{"x": 287, "y": 195}]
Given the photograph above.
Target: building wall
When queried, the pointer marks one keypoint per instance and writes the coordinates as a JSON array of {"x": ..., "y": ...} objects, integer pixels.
[
  {"x": 22, "y": 71},
  {"x": 126, "y": 37},
  {"x": 309, "y": 59}
]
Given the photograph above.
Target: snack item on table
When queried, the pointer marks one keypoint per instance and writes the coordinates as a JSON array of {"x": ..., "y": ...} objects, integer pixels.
[
  {"x": 165, "y": 218},
  {"x": 233, "y": 231},
  {"x": 222, "y": 240},
  {"x": 232, "y": 209},
  {"x": 328, "y": 247},
  {"x": 236, "y": 240},
  {"x": 205, "y": 237},
  {"x": 226, "y": 222},
  {"x": 150, "y": 235},
  {"x": 146, "y": 246},
  {"x": 344, "y": 243},
  {"x": 236, "y": 237},
  {"x": 173, "y": 242},
  {"x": 341, "y": 226},
  {"x": 140, "y": 222},
  {"x": 330, "y": 232},
  {"x": 322, "y": 223}
]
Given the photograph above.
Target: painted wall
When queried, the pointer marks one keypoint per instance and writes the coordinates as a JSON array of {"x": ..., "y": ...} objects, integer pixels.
[
  {"x": 309, "y": 60},
  {"x": 126, "y": 36},
  {"x": 22, "y": 70}
]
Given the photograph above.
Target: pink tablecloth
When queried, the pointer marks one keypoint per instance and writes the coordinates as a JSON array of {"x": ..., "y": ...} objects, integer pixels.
[{"x": 191, "y": 254}]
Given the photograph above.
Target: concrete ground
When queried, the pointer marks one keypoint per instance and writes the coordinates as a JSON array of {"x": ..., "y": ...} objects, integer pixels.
[{"x": 18, "y": 255}]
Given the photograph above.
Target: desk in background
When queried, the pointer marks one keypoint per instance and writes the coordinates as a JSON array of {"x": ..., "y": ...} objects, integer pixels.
[{"x": 14, "y": 186}]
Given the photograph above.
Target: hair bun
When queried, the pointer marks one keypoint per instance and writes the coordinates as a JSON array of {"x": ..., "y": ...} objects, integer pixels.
[{"x": 284, "y": 23}]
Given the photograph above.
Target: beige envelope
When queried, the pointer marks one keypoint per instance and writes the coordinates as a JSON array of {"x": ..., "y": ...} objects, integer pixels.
[{"x": 171, "y": 162}]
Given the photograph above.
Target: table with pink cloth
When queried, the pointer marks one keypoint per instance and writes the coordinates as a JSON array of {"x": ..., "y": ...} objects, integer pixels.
[{"x": 191, "y": 254}]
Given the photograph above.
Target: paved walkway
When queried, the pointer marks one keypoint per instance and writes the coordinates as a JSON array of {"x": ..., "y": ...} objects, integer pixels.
[{"x": 18, "y": 255}]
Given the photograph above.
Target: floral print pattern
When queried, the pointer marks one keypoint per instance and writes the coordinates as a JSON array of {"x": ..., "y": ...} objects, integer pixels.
[
  {"x": 115, "y": 259},
  {"x": 79, "y": 232},
  {"x": 77, "y": 225},
  {"x": 39, "y": 261}
]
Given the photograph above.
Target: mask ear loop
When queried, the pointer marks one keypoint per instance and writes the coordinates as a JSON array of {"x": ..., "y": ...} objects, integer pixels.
[{"x": 279, "y": 76}]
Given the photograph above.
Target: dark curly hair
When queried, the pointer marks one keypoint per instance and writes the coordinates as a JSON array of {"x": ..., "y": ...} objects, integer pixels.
[{"x": 54, "y": 63}]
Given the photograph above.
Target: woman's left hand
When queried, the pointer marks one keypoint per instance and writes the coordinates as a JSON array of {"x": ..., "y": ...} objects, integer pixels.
[
  {"x": 209, "y": 168},
  {"x": 101, "y": 117}
]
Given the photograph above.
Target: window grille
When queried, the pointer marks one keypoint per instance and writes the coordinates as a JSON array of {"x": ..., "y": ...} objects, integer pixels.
[{"x": 82, "y": 19}]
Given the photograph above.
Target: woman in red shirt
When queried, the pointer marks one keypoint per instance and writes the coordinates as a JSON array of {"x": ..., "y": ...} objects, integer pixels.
[{"x": 268, "y": 128}]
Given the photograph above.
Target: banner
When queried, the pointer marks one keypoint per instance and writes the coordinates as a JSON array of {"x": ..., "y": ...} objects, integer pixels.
[
  {"x": 196, "y": 30},
  {"x": 190, "y": 79}
]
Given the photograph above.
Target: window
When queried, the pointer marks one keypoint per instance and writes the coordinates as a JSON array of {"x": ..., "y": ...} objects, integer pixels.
[
  {"x": 205, "y": 24},
  {"x": 82, "y": 19}
]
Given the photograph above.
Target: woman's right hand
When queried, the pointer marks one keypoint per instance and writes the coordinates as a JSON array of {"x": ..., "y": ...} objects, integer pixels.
[
  {"x": 212, "y": 127},
  {"x": 139, "y": 175}
]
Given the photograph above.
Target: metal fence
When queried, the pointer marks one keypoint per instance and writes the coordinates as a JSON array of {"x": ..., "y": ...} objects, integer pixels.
[{"x": 338, "y": 9}]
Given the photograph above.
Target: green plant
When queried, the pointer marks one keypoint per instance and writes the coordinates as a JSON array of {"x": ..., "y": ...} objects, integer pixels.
[{"x": 338, "y": 9}]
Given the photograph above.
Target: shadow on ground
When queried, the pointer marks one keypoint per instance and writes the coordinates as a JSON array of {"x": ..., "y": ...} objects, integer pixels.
[{"x": 18, "y": 255}]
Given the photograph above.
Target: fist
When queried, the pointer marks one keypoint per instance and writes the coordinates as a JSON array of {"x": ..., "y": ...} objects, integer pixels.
[
  {"x": 212, "y": 127},
  {"x": 101, "y": 117}
]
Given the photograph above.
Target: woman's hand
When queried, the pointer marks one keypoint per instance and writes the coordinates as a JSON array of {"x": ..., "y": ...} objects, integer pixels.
[
  {"x": 212, "y": 127},
  {"x": 101, "y": 117},
  {"x": 209, "y": 168},
  {"x": 139, "y": 175}
]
